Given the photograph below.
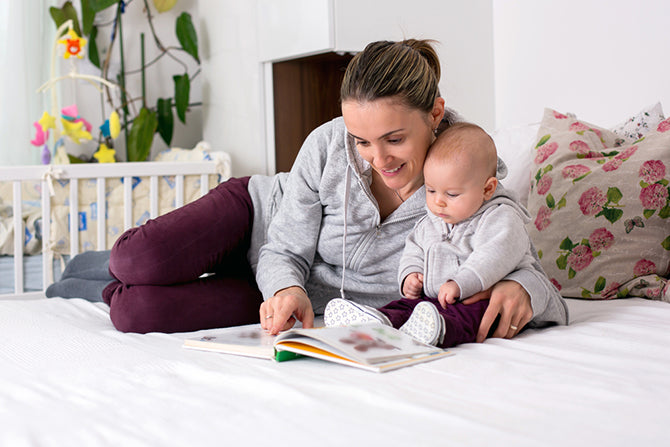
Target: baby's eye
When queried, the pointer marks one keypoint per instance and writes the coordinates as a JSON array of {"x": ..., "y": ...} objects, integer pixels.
[{"x": 452, "y": 195}]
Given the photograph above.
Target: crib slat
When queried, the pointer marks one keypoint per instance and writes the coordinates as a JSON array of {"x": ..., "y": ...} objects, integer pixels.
[
  {"x": 18, "y": 238},
  {"x": 179, "y": 191},
  {"x": 74, "y": 217},
  {"x": 102, "y": 213},
  {"x": 127, "y": 202},
  {"x": 204, "y": 184},
  {"x": 47, "y": 268},
  {"x": 153, "y": 196}
]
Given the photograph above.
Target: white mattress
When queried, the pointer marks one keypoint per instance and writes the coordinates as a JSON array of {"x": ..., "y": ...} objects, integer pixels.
[{"x": 69, "y": 378}]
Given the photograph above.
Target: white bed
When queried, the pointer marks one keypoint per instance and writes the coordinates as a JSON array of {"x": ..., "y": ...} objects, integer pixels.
[{"x": 69, "y": 378}]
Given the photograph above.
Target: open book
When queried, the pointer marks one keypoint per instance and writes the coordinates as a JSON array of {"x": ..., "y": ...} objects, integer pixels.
[{"x": 375, "y": 348}]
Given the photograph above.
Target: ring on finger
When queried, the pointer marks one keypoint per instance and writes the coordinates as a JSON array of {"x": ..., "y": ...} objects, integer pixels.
[
  {"x": 514, "y": 328},
  {"x": 267, "y": 317}
]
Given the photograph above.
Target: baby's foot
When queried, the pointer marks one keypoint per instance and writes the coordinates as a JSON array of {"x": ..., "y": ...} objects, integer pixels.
[
  {"x": 341, "y": 312},
  {"x": 425, "y": 324}
]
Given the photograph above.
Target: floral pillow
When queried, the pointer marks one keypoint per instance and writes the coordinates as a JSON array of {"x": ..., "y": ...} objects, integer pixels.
[
  {"x": 639, "y": 125},
  {"x": 601, "y": 211}
]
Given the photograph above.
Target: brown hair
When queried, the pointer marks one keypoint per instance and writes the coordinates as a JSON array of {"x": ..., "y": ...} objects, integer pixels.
[
  {"x": 464, "y": 139},
  {"x": 408, "y": 70}
]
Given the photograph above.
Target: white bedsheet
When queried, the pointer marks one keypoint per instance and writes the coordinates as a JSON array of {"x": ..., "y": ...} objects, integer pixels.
[{"x": 68, "y": 378}]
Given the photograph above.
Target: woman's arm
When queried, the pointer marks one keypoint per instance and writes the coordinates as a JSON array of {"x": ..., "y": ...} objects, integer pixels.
[
  {"x": 285, "y": 261},
  {"x": 525, "y": 297}
]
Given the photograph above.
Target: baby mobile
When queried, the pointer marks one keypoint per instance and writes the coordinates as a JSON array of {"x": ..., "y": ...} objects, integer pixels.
[{"x": 69, "y": 124}]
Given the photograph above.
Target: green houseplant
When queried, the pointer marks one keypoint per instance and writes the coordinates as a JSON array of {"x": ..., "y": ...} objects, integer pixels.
[{"x": 140, "y": 121}]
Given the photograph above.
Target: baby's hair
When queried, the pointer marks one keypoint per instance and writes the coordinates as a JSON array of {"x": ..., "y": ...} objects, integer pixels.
[{"x": 465, "y": 142}]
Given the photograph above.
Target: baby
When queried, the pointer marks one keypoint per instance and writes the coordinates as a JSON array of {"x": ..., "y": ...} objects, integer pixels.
[{"x": 472, "y": 237}]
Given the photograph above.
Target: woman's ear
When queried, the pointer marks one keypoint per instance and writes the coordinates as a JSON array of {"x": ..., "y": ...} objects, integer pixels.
[
  {"x": 438, "y": 112},
  {"x": 490, "y": 187}
]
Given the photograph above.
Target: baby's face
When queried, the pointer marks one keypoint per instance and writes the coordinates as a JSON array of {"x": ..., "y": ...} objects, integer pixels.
[{"x": 453, "y": 193}]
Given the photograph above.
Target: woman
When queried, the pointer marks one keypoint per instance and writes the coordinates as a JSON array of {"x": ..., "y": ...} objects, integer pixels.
[{"x": 336, "y": 225}]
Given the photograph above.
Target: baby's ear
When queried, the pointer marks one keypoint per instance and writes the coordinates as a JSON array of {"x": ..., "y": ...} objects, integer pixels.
[{"x": 490, "y": 187}]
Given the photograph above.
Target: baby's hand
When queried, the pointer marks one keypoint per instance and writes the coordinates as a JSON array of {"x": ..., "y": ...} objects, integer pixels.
[
  {"x": 412, "y": 286},
  {"x": 449, "y": 293}
]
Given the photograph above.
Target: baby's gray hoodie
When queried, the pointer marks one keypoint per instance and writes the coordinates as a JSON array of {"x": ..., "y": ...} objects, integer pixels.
[
  {"x": 475, "y": 253},
  {"x": 300, "y": 236}
]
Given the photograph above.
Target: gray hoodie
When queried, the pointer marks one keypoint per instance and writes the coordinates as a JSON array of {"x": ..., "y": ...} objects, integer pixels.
[
  {"x": 475, "y": 253},
  {"x": 310, "y": 244}
]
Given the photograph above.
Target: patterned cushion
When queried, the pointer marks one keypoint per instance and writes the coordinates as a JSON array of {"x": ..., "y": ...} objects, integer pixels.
[
  {"x": 600, "y": 211},
  {"x": 637, "y": 126}
]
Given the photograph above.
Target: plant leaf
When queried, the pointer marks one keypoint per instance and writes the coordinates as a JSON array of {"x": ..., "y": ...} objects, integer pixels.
[
  {"x": 87, "y": 17},
  {"x": 99, "y": 5},
  {"x": 65, "y": 13},
  {"x": 142, "y": 135},
  {"x": 182, "y": 87},
  {"x": 93, "y": 54},
  {"x": 165, "y": 119},
  {"x": 186, "y": 35},
  {"x": 600, "y": 285},
  {"x": 666, "y": 243}
]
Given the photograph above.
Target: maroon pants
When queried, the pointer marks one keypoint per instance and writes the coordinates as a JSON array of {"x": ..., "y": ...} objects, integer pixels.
[
  {"x": 461, "y": 320},
  {"x": 158, "y": 267}
]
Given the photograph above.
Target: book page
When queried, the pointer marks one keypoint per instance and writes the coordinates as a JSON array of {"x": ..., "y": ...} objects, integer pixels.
[{"x": 365, "y": 344}]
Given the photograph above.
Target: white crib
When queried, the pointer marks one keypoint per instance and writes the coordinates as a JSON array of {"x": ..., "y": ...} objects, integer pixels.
[{"x": 207, "y": 173}]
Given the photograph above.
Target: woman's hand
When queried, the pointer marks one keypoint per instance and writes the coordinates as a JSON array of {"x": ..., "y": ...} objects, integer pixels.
[
  {"x": 511, "y": 302},
  {"x": 279, "y": 312}
]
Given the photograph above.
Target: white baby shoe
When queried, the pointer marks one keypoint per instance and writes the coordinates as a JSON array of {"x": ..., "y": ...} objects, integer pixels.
[
  {"x": 341, "y": 312},
  {"x": 425, "y": 324}
]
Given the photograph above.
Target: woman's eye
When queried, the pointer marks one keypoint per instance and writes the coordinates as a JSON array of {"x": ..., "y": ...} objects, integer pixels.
[
  {"x": 395, "y": 140},
  {"x": 361, "y": 143}
]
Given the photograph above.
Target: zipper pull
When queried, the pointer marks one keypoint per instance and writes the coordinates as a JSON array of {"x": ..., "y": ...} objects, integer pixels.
[{"x": 379, "y": 230}]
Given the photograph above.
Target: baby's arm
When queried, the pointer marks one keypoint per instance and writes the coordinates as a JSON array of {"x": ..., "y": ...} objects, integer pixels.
[
  {"x": 499, "y": 245},
  {"x": 449, "y": 293},
  {"x": 412, "y": 286}
]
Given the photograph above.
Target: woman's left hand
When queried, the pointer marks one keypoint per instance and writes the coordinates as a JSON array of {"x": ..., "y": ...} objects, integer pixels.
[{"x": 509, "y": 300}]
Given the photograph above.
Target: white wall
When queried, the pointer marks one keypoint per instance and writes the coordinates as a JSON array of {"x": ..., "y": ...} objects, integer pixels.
[
  {"x": 243, "y": 35},
  {"x": 601, "y": 59},
  {"x": 232, "y": 99}
]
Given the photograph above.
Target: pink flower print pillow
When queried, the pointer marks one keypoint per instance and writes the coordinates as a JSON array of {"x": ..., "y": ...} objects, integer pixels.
[
  {"x": 601, "y": 212},
  {"x": 638, "y": 125}
]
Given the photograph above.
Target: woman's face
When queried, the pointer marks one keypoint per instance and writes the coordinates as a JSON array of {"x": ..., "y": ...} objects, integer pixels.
[{"x": 393, "y": 138}]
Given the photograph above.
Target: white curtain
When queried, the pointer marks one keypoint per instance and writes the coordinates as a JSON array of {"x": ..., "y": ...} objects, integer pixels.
[{"x": 27, "y": 33}]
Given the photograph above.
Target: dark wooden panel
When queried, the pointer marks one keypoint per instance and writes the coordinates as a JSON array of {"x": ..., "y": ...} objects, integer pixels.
[{"x": 306, "y": 94}]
